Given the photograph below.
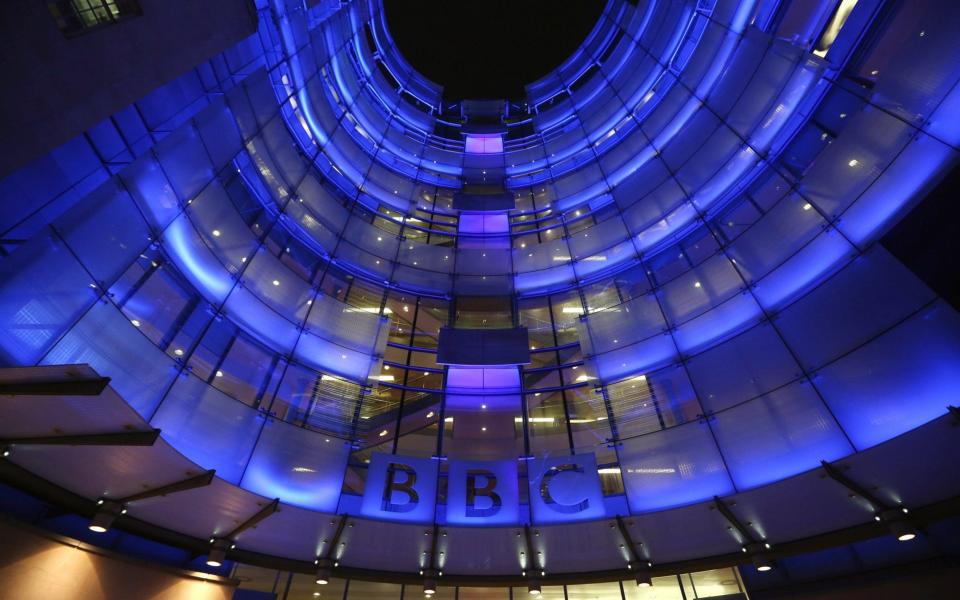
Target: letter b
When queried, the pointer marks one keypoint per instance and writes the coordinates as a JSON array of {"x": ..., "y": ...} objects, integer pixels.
[
  {"x": 487, "y": 490},
  {"x": 406, "y": 487}
]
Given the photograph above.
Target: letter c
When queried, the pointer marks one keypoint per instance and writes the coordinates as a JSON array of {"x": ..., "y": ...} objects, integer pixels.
[{"x": 548, "y": 500}]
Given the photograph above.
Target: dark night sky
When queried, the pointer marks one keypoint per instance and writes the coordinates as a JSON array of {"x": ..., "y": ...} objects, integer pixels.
[{"x": 489, "y": 48}]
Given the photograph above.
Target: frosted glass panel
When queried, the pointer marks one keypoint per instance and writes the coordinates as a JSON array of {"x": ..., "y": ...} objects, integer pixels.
[
  {"x": 672, "y": 467},
  {"x": 873, "y": 292},
  {"x": 185, "y": 162},
  {"x": 784, "y": 433},
  {"x": 43, "y": 289},
  {"x": 105, "y": 231},
  {"x": 637, "y": 358},
  {"x": 746, "y": 366},
  {"x": 735, "y": 314},
  {"x": 208, "y": 427},
  {"x": 151, "y": 189},
  {"x": 881, "y": 390},
  {"x": 109, "y": 343},
  {"x": 218, "y": 130},
  {"x": 624, "y": 324},
  {"x": 300, "y": 466},
  {"x": 252, "y": 314},
  {"x": 196, "y": 261}
]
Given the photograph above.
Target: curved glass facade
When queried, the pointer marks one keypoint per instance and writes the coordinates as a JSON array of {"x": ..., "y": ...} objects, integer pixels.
[{"x": 698, "y": 194}]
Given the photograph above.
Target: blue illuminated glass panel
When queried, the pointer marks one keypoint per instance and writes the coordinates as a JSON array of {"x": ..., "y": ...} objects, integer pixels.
[
  {"x": 302, "y": 467},
  {"x": 208, "y": 427},
  {"x": 883, "y": 390},
  {"x": 673, "y": 467}
]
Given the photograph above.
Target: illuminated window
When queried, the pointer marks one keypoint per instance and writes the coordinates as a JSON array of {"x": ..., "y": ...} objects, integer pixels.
[
  {"x": 78, "y": 16},
  {"x": 832, "y": 29},
  {"x": 484, "y": 144}
]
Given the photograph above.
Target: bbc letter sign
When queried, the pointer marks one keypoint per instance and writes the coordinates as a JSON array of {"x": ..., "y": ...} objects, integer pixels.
[{"x": 483, "y": 493}]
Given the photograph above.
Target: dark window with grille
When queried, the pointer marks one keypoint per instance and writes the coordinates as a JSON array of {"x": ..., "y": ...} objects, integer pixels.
[{"x": 79, "y": 16}]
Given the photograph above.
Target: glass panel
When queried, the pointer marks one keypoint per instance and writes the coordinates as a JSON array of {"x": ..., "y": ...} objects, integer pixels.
[
  {"x": 718, "y": 582},
  {"x": 368, "y": 590},
  {"x": 880, "y": 391},
  {"x": 663, "y": 588},
  {"x": 109, "y": 343},
  {"x": 209, "y": 427},
  {"x": 750, "y": 364},
  {"x": 781, "y": 434},
  {"x": 673, "y": 467},
  {"x": 303, "y": 467},
  {"x": 592, "y": 591},
  {"x": 547, "y": 592},
  {"x": 467, "y": 593},
  {"x": 43, "y": 289}
]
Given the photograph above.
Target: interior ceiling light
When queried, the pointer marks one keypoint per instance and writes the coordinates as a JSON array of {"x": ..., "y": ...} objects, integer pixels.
[
  {"x": 107, "y": 513},
  {"x": 324, "y": 571},
  {"x": 429, "y": 582},
  {"x": 897, "y": 523},
  {"x": 760, "y": 556},
  {"x": 642, "y": 573},
  {"x": 218, "y": 551}
]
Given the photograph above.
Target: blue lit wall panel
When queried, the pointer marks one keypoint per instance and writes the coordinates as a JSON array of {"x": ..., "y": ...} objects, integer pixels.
[
  {"x": 108, "y": 342},
  {"x": 742, "y": 368},
  {"x": 846, "y": 168},
  {"x": 269, "y": 326},
  {"x": 873, "y": 292},
  {"x": 704, "y": 286},
  {"x": 43, "y": 289},
  {"x": 48, "y": 177},
  {"x": 346, "y": 325},
  {"x": 735, "y": 314},
  {"x": 637, "y": 358},
  {"x": 273, "y": 283},
  {"x": 774, "y": 238},
  {"x": 208, "y": 427},
  {"x": 648, "y": 402},
  {"x": 328, "y": 356},
  {"x": 277, "y": 140},
  {"x": 297, "y": 465},
  {"x": 218, "y": 130},
  {"x": 196, "y": 261},
  {"x": 882, "y": 390},
  {"x": 145, "y": 181},
  {"x": 271, "y": 178},
  {"x": 804, "y": 270},
  {"x": 185, "y": 162},
  {"x": 610, "y": 259},
  {"x": 784, "y": 433},
  {"x": 239, "y": 104},
  {"x": 621, "y": 325},
  {"x": 105, "y": 231},
  {"x": 672, "y": 467},
  {"x": 908, "y": 177},
  {"x": 223, "y": 230}
]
